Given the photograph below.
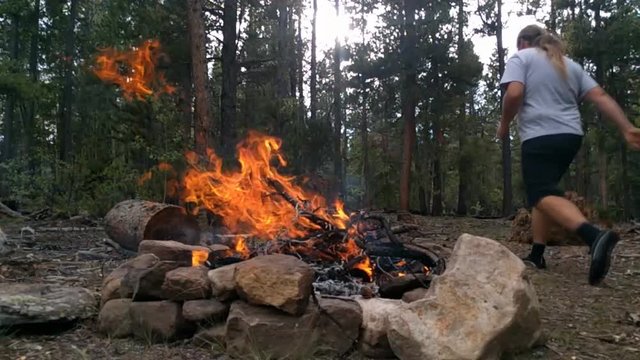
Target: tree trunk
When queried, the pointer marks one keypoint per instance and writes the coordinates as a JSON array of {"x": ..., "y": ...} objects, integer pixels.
[
  {"x": 463, "y": 176},
  {"x": 29, "y": 121},
  {"x": 600, "y": 144},
  {"x": 314, "y": 67},
  {"x": 9, "y": 122},
  {"x": 507, "y": 186},
  {"x": 364, "y": 142},
  {"x": 229, "y": 78},
  {"x": 409, "y": 92},
  {"x": 202, "y": 113},
  {"x": 337, "y": 111},
  {"x": 300, "y": 75},
  {"x": 65, "y": 131}
]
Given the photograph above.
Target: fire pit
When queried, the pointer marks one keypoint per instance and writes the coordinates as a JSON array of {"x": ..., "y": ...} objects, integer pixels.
[{"x": 290, "y": 275}]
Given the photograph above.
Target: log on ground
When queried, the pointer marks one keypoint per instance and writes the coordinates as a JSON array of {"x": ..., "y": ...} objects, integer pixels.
[{"x": 131, "y": 221}]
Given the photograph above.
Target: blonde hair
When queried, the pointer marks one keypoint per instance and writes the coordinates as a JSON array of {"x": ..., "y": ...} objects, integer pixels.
[{"x": 547, "y": 41}]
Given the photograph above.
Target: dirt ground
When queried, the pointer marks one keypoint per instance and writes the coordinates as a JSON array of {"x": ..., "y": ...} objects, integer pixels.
[{"x": 579, "y": 321}]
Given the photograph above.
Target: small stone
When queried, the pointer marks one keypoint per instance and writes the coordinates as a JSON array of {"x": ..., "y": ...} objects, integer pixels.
[
  {"x": 114, "y": 319},
  {"x": 282, "y": 281},
  {"x": 187, "y": 283},
  {"x": 211, "y": 338},
  {"x": 111, "y": 284},
  {"x": 375, "y": 319},
  {"x": 146, "y": 284},
  {"x": 223, "y": 285},
  {"x": 159, "y": 321},
  {"x": 209, "y": 311}
]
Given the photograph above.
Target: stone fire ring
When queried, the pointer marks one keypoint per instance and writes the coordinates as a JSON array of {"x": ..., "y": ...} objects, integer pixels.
[{"x": 482, "y": 307}]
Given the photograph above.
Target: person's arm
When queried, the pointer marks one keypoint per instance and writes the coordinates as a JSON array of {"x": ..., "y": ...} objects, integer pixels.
[
  {"x": 511, "y": 102},
  {"x": 609, "y": 108}
]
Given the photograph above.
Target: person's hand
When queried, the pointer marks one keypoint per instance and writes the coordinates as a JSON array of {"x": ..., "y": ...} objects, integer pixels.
[
  {"x": 632, "y": 137},
  {"x": 503, "y": 131}
]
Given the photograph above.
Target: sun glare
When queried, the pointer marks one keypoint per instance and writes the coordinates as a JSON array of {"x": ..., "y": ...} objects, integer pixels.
[{"x": 330, "y": 26}]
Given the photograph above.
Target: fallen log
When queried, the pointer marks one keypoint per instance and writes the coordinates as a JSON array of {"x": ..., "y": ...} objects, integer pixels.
[
  {"x": 4, "y": 209},
  {"x": 131, "y": 221}
]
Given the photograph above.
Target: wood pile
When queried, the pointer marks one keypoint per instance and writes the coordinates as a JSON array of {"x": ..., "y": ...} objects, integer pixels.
[{"x": 521, "y": 224}]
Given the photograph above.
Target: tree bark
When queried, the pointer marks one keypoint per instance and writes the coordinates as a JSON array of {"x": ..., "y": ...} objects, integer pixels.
[
  {"x": 131, "y": 221},
  {"x": 29, "y": 121},
  {"x": 337, "y": 112},
  {"x": 202, "y": 112},
  {"x": 65, "y": 130},
  {"x": 507, "y": 185},
  {"x": 463, "y": 175},
  {"x": 409, "y": 92},
  {"x": 314, "y": 66},
  {"x": 229, "y": 78},
  {"x": 9, "y": 122},
  {"x": 300, "y": 75}
]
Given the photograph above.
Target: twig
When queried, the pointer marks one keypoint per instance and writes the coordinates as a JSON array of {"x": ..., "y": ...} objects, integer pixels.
[
  {"x": 71, "y": 228},
  {"x": 385, "y": 225},
  {"x": 552, "y": 348},
  {"x": 119, "y": 248}
]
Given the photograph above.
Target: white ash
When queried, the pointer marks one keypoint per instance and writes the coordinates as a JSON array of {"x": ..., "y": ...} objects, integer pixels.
[{"x": 332, "y": 279}]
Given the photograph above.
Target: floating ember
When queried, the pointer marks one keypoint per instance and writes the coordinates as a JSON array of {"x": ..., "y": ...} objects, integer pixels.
[{"x": 133, "y": 71}]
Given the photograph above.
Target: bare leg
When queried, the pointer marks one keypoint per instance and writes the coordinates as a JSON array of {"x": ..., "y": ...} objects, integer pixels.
[
  {"x": 540, "y": 224},
  {"x": 562, "y": 211}
]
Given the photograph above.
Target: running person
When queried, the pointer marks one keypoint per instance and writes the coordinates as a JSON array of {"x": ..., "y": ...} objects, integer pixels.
[{"x": 544, "y": 87}]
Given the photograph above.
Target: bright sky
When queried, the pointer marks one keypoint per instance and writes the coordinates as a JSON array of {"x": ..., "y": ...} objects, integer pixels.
[{"x": 329, "y": 26}]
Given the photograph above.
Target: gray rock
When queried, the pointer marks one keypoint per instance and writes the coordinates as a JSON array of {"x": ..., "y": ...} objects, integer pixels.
[
  {"x": 207, "y": 311},
  {"x": 114, "y": 319},
  {"x": 22, "y": 304},
  {"x": 187, "y": 283},
  {"x": 223, "y": 286},
  {"x": 159, "y": 321},
  {"x": 112, "y": 283}
]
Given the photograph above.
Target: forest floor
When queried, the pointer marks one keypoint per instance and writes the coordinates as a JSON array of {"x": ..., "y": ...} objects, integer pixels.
[{"x": 579, "y": 321}]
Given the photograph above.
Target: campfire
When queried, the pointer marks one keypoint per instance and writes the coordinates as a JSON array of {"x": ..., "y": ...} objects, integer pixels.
[
  {"x": 288, "y": 272},
  {"x": 266, "y": 211}
]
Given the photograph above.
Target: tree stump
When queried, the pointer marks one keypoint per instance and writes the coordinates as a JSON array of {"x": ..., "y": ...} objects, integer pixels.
[
  {"x": 131, "y": 221},
  {"x": 521, "y": 224}
]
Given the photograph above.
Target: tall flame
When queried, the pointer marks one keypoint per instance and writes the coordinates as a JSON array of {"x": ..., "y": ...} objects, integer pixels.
[
  {"x": 133, "y": 71},
  {"x": 257, "y": 198}
]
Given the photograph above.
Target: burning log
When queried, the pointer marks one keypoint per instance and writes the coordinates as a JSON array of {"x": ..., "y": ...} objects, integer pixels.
[{"x": 131, "y": 221}]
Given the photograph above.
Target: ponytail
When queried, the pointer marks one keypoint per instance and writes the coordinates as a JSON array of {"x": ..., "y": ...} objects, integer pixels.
[
  {"x": 550, "y": 43},
  {"x": 555, "y": 51}
]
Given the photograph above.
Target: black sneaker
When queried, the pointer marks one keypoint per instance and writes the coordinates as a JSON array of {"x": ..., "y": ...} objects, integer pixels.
[
  {"x": 540, "y": 264},
  {"x": 601, "y": 255}
]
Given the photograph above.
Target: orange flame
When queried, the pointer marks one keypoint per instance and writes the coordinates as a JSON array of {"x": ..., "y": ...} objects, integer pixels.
[
  {"x": 133, "y": 71},
  {"x": 198, "y": 257},
  {"x": 365, "y": 265},
  {"x": 251, "y": 199},
  {"x": 241, "y": 247}
]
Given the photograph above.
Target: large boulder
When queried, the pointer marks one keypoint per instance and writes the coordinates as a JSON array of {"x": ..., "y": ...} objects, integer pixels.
[
  {"x": 223, "y": 285},
  {"x": 375, "y": 322},
  {"x": 482, "y": 307},
  {"x": 205, "y": 311},
  {"x": 282, "y": 281}
]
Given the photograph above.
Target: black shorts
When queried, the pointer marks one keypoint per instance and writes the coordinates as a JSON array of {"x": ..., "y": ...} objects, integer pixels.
[{"x": 545, "y": 159}]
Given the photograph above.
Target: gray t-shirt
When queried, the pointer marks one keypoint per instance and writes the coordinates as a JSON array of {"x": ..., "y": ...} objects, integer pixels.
[{"x": 550, "y": 104}]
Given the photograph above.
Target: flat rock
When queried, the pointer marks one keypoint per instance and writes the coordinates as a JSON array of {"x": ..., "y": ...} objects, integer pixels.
[
  {"x": 112, "y": 283},
  {"x": 375, "y": 320},
  {"x": 22, "y": 304},
  {"x": 114, "y": 319},
  {"x": 282, "y": 281},
  {"x": 159, "y": 321},
  {"x": 223, "y": 285},
  {"x": 208, "y": 311},
  {"x": 187, "y": 283},
  {"x": 252, "y": 328},
  {"x": 170, "y": 250},
  {"x": 482, "y": 307}
]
